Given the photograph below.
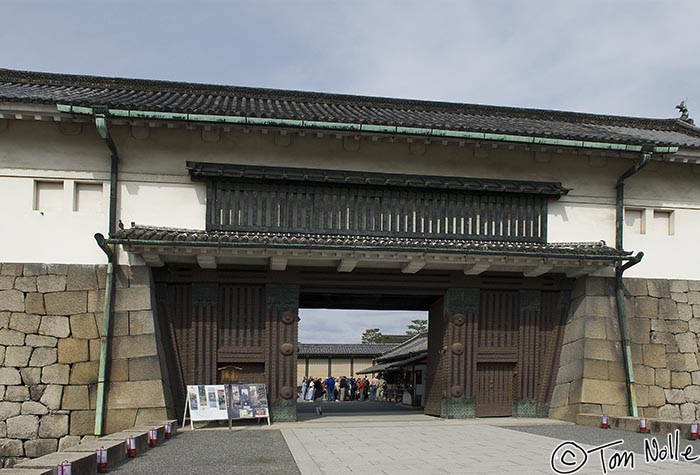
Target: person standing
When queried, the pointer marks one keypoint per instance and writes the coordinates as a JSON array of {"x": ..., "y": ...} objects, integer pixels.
[
  {"x": 381, "y": 389},
  {"x": 304, "y": 384},
  {"x": 353, "y": 389},
  {"x": 360, "y": 389},
  {"x": 310, "y": 390},
  {"x": 373, "y": 385},
  {"x": 318, "y": 396},
  {"x": 330, "y": 387},
  {"x": 343, "y": 388}
]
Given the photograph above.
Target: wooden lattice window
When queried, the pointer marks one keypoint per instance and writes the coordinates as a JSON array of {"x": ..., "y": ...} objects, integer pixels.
[
  {"x": 336, "y": 209},
  {"x": 267, "y": 199}
]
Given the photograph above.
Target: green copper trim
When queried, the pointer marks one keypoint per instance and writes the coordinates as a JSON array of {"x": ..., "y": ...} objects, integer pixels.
[{"x": 360, "y": 128}]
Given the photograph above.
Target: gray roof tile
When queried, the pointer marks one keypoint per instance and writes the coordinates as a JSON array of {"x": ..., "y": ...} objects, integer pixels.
[
  {"x": 343, "y": 349},
  {"x": 171, "y": 236},
  {"x": 418, "y": 344},
  {"x": 179, "y": 97}
]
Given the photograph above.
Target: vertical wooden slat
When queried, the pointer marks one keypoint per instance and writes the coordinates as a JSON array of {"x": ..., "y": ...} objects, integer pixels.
[
  {"x": 543, "y": 220},
  {"x": 211, "y": 206},
  {"x": 498, "y": 218},
  {"x": 325, "y": 208},
  {"x": 369, "y": 210},
  {"x": 310, "y": 207}
]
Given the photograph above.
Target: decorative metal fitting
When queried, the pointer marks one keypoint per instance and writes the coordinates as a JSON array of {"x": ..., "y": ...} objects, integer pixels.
[
  {"x": 286, "y": 349},
  {"x": 458, "y": 319},
  {"x": 286, "y": 392},
  {"x": 288, "y": 317}
]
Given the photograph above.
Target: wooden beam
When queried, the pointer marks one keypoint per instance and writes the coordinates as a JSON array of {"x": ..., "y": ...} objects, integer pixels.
[
  {"x": 580, "y": 272},
  {"x": 347, "y": 264},
  {"x": 152, "y": 259},
  {"x": 476, "y": 268},
  {"x": 278, "y": 263},
  {"x": 538, "y": 270},
  {"x": 413, "y": 266},
  {"x": 206, "y": 261}
]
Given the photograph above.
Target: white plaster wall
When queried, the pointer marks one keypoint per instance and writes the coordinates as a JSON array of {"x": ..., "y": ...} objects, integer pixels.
[
  {"x": 172, "y": 205},
  {"x": 61, "y": 236},
  {"x": 155, "y": 188},
  {"x": 672, "y": 257}
]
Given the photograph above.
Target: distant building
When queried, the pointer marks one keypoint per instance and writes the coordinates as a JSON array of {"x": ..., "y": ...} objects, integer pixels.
[
  {"x": 318, "y": 360},
  {"x": 403, "y": 368},
  {"x": 394, "y": 339}
]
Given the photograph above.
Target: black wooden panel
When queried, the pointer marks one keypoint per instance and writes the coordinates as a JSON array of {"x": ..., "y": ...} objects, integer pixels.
[{"x": 364, "y": 210}]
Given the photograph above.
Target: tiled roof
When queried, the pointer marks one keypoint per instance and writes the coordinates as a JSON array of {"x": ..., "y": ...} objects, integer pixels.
[
  {"x": 373, "y": 369},
  {"x": 188, "y": 237},
  {"x": 411, "y": 351},
  {"x": 178, "y": 97},
  {"x": 252, "y": 172},
  {"x": 418, "y": 344},
  {"x": 343, "y": 349}
]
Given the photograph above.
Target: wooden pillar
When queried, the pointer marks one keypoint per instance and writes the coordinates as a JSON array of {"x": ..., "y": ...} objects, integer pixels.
[
  {"x": 452, "y": 349},
  {"x": 461, "y": 316},
  {"x": 530, "y": 354},
  {"x": 202, "y": 364},
  {"x": 281, "y": 329}
]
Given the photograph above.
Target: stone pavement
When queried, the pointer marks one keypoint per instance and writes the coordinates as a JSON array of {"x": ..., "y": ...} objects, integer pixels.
[
  {"x": 408, "y": 444},
  {"x": 395, "y": 443}
]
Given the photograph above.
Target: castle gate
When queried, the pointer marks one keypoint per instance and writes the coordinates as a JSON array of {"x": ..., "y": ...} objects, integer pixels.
[{"x": 471, "y": 251}]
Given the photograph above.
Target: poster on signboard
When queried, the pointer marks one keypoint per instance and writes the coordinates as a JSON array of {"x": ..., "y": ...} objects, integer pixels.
[
  {"x": 248, "y": 401},
  {"x": 207, "y": 402}
]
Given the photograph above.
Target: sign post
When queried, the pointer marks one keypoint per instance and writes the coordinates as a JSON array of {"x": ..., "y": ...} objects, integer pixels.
[
  {"x": 206, "y": 403},
  {"x": 249, "y": 401},
  {"x": 218, "y": 402}
]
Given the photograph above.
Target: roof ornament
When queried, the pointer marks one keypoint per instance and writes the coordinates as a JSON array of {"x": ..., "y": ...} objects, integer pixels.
[{"x": 684, "y": 112}]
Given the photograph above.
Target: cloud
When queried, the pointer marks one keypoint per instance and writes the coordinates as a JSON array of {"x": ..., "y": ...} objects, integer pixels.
[
  {"x": 347, "y": 326},
  {"x": 628, "y": 57}
]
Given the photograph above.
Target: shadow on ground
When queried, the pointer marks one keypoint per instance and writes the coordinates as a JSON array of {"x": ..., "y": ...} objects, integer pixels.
[
  {"x": 216, "y": 451},
  {"x": 356, "y": 407}
]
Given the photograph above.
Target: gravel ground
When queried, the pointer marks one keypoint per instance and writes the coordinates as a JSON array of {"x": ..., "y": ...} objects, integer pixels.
[
  {"x": 595, "y": 436},
  {"x": 216, "y": 451}
]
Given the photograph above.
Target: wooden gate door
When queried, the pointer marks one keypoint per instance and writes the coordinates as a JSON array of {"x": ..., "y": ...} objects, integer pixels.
[
  {"x": 494, "y": 389},
  {"x": 497, "y": 352}
]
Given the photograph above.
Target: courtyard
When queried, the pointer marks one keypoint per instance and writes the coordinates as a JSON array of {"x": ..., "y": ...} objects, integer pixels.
[{"x": 403, "y": 443}]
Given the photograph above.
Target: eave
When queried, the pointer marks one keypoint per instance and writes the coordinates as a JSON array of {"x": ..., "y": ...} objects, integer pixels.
[{"x": 159, "y": 246}]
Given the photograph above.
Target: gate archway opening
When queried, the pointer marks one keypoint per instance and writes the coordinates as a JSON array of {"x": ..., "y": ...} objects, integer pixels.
[
  {"x": 331, "y": 331},
  {"x": 492, "y": 347}
]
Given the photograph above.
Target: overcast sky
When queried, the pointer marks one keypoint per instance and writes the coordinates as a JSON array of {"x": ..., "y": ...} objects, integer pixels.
[
  {"x": 621, "y": 57},
  {"x": 347, "y": 326},
  {"x": 624, "y": 57}
]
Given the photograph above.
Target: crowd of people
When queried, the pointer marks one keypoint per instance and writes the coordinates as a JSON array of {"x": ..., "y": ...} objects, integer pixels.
[{"x": 342, "y": 389}]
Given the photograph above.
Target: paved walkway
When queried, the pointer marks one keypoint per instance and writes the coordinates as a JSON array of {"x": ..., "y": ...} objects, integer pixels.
[
  {"x": 417, "y": 444},
  {"x": 392, "y": 443}
]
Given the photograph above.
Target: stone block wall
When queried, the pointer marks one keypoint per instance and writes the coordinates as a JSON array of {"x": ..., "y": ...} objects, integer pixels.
[
  {"x": 663, "y": 319},
  {"x": 50, "y": 328},
  {"x": 138, "y": 390}
]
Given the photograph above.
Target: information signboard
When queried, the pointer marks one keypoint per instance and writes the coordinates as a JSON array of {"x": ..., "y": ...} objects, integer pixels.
[
  {"x": 217, "y": 402},
  {"x": 249, "y": 401},
  {"x": 206, "y": 403}
]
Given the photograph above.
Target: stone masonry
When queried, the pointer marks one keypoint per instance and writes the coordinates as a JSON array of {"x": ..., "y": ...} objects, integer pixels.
[
  {"x": 50, "y": 328},
  {"x": 663, "y": 319}
]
